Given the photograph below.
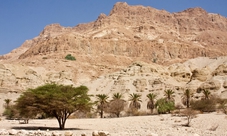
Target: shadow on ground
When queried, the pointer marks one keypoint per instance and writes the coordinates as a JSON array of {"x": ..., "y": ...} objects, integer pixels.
[{"x": 44, "y": 128}]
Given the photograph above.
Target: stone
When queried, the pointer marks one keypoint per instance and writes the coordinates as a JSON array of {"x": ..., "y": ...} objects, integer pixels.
[
  {"x": 200, "y": 74},
  {"x": 221, "y": 70},
  {"x": 212, "y": 85},
  {"x": 153, "y": 134},
  {"x": 56, "y": 134},
  {"x": 100, "y": 133},
  {"x": 68, "y": 133},
  {"x": 12, "y": 132},
  {"x": 4, "y": 132},
  {"x": 225, "y": 84}
]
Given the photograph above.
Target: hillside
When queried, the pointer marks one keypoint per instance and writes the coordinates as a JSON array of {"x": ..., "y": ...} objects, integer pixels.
[{"x": 133, "y": 49}]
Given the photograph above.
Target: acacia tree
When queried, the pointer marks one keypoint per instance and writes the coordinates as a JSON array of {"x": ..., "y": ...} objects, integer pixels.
[
  {"x": 150, "y": 103},
  {"x": 117, "y": 104},
  {"x": 135, "y": 101},
  {"x": 102, "y": 103},
  {"x": 54, "y": 100}
]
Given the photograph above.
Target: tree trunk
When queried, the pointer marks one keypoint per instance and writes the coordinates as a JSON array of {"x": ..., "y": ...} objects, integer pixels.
[
  {"x": 188, "y": 100},
  {"x": 118, "y": 114},
  {"x": 101, "y": 113},
  {"x": 61, "y": 122}
]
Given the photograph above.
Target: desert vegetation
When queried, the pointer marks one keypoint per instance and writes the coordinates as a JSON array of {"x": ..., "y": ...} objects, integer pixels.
[
  {"x": 70, "y": 57},
  {"x": 52, "y": 100},
  {"x": 61, "y": 101}
]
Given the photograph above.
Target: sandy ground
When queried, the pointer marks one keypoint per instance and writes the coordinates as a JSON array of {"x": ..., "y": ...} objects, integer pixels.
[{"x": 162, "y": 125}]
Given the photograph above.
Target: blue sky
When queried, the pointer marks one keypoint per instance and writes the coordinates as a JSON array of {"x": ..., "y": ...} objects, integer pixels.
[{"x": 25, "y": 19}]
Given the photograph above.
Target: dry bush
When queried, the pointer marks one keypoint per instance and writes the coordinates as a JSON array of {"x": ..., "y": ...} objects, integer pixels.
[
  {"x": 204, "y": 105},
  {"x": 189, "y": 114},
  {"x": 134, "y": 112},
  {"x": 222, "y": 105},
  {"x": 115, "y": 107}
]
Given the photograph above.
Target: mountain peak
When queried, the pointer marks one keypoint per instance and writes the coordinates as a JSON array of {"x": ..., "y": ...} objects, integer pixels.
[{"x": 195, "y": 11}]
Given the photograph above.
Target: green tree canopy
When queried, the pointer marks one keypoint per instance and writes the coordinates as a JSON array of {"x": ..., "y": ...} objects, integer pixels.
[
  {"x": 54, "y": 100},
  {"x": 206, "y": 94},
  {"x": 187, "y": 97},
  {"x": 135, "y": 101},
  {"x": 169, "y": 95},
  {"x": 150, "y": 103},
  {"x": 102, "y": 103},
  {"x": 164, "y": 106},
  {"x": 7, "y": 103}
]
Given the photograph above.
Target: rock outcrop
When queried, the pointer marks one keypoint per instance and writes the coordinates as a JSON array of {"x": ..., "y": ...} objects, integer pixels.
[
  {"x": 138, "y": 32},
  {"x": 133, "y": 49}
]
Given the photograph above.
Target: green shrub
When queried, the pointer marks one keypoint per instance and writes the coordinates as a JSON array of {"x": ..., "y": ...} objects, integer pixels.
[
  {"x": 44, "y": 57},
  {"x": 164, "y": 106},
  {"x": 9, "y": 113},
  {"x": 70, "y": 57}
]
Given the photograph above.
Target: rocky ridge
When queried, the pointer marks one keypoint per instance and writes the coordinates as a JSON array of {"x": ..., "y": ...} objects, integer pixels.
[{"x": 133, "y": 49}]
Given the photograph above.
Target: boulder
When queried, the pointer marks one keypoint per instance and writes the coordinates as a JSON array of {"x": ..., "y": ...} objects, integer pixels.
[
  {"x": 12, "y": 132},
  {"x": 180, "y": 72},
  {"x": 225, "y": 84},
  {"x": 220, "y": 70},
  {"x": 210, "y": 85},
  {"x": 200, "y": 74},
  {"x": 100, "y": 133},
  {"x": 4, "y": 132},
  {"x": 68, "y": 133}
]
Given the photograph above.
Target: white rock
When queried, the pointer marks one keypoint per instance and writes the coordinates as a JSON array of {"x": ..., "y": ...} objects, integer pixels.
[
  {"x": 100, "y": 133},
  {"x": 12, "y": 132},
  {"x": 153, "y": 134},
  {"x": 68, "y": 133},
  {"x": 4, "y": 132},
  {"x": 103, "y": 133},
  {"x": 195, "y": 135},
  {"x": 95, "y": 133},
  {"x": 56, "y": 134}
]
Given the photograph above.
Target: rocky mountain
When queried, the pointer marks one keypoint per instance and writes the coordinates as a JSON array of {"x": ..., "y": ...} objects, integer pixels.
[{"x": 133, "y": 49}]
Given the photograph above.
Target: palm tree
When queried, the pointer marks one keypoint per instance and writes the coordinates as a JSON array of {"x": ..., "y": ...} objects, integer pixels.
[
  {"x": 7, "y": 102},
  {"x": 117, "y": 104},
  {"x": 169, "y": 95},
  {"x": 150, "y": 103},
  {"x": 186, "y": 97},
  {"x": 206, "y": 94},
  {"x": 135, "y": 101},
  {"x": 102, "y": 102},
  {"x": 117, "y": 96}
]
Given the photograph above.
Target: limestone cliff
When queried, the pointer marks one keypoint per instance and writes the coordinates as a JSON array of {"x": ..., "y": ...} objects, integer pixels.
[{"x": 133, "y": 49}]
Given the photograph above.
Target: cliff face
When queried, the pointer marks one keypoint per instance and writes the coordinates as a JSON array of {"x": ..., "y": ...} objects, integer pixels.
[
  {"x": 141, "y": 33},
  {"x": 113, "y": 42}
]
